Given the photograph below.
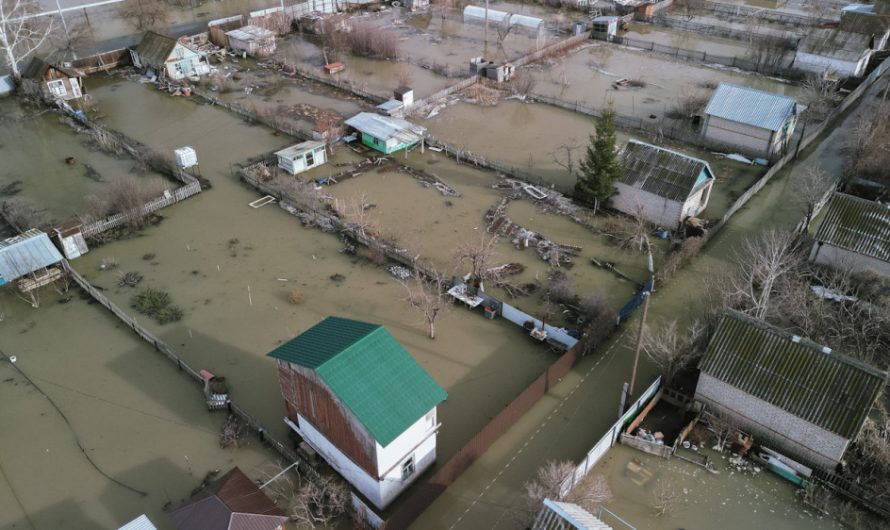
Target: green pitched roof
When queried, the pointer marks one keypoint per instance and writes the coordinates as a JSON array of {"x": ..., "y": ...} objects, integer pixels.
[
  {"x": 810, "y": 381},
  {"x": 369, "y": 371}
]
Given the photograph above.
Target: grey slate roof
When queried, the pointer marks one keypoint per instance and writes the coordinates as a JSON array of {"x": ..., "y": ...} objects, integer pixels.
[
  {"x": 663, "y": 172},
  {"x": 835, "y": 43},
  {"x": 857, "y": 225},
  {"x": 155, "y": 48},
  {"x": 825, "y": 388},
  {"x": 864, "y": 23},
  {"x": 37, "y": 67},
  {"x": 750, "y": 106},
  {"x": 385, "y": 127},
  {"x": 25, "y": 254}
]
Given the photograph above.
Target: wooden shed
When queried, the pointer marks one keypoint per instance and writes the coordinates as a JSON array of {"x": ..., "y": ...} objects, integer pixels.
[{"x": 53, "y": 82}]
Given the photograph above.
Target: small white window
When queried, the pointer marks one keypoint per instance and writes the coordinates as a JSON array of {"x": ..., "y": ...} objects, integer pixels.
[
  {"x": 310, "y": 159},
  {"x": 408, "y": 468},
  {"x": 57, "y": 88}
]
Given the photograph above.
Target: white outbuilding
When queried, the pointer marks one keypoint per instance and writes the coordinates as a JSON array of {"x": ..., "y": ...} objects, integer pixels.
[{"x": 302, "y": 157}]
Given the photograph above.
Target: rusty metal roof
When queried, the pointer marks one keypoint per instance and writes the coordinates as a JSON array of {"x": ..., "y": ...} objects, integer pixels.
[
  {"x": 857, "y": 225},
  {"x": 663, "y": 172},
  {"x": 810, "y": 381},
  {"x": 232, "y": 502}
]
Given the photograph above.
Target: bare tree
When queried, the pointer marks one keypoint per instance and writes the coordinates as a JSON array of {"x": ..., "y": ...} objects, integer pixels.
[
  {"x": 767, "y": 50},
  {"x": 319, "y": 502},
  {"x": 21, "y": 34},
  {"x": 820, "y": 95},
  {"x": 868, "y": 460},
  {"x": 665, "y": 497},
  {"x": 473, "y": 258},
  {"x": 811, "y": 186},
  {"x": 427, "y": 296},
  {"x": 723, "y": 428},
  {"x": 24, "y": 213},
  {"x": 763, "y": 262},
  {"x": 146, "y": 14},
  {"x": 564, "y": 156},
  {"x": 552, "y": 479},
  {"x": 357, "y": 212},
  {"x": 672, "y": 350}
]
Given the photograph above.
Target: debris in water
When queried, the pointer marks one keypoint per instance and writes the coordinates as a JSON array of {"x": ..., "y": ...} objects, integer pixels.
[
  {"x": 130, "y": 279},
  {"x": 338, "y": 278},
  {"x": 402, "y": 273}
]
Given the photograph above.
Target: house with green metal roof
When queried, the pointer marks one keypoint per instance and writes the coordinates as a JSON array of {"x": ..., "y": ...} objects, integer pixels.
[
  {"x": 853, "y": 234},
  {"x": 795, "y": 396},
  {"x": 362, "y": 402}
]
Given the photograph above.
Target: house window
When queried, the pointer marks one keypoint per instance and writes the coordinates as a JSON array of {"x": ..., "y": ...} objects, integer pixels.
[
  {"x": 57, "y": 88},
  {"x": 310, "y": 159},
  {"x": 408, "y": 468}
]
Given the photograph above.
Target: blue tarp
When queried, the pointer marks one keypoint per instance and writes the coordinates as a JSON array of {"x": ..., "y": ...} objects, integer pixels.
[{"x": 635, "y": 302}]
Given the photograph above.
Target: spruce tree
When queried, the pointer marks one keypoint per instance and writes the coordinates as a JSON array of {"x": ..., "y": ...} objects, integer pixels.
[{"x": 601, "y": 166}]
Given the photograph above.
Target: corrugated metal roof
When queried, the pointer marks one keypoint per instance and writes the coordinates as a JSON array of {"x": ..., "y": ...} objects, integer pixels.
[
  {"x": 751, "y": 106},
  {"x": 476, "y": 13},
  {"x": 300, "y": 148},
  {"x": 369, "y": 371},
  {"x": 825, "y": 388},
  {"x": 155, "y": 48},
  {"x": 250, "y": 33},
  {"x": 576, "y": 516},
  {"x": 663, "y": 172},
  {"x": 835, "y": 43},
  {"x": 385, "y": 127},
  {"x": 231, "y": 502},
  {"x": 140, "y": 523},
  {"x": 857, "y": 225},
  {"x": 25, "y": 254}
]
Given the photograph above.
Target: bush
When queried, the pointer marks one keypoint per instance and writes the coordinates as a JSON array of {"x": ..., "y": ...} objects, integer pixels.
[
  {"x": 24, "y": 213},
  {"x": 679, "y": 258},
  {"x": 157, "y": 304},
  {"x": 367, "y": 39}
]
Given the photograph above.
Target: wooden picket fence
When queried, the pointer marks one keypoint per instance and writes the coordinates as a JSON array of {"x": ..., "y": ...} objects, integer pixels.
[{"x": 120, "y": 219}]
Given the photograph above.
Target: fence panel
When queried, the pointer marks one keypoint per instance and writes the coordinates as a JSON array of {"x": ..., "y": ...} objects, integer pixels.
[{"x": 520, "y": 317}]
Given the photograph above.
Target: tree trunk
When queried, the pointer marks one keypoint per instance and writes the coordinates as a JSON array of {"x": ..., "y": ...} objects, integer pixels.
[{"x": 432, "y": 324}]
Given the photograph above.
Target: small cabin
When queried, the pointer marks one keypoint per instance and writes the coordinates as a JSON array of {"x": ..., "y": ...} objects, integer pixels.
[
  {"x": 384, "y": 133},
  {"x": 252, "y": 40},
  {"x": 168, "y": 58},
  {"x": 53, "y": 82},
  {"x": 604, "y": 28},
  {"x": 753, "y": 121},
  {"x": 854, "y": 234},
  {"x": 302, "y": 157}
]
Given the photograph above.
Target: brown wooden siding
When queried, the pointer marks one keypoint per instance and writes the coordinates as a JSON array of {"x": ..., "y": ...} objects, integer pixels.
[{"x": 306, "y": 395}]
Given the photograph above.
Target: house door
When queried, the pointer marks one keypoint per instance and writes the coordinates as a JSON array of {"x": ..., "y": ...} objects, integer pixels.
[{"x": 135, "y": 58}]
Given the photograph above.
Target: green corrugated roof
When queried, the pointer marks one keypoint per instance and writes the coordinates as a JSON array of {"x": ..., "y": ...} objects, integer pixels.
[
  {"x": 823, "y": 387},
  {"x": 369, "y": 371}
]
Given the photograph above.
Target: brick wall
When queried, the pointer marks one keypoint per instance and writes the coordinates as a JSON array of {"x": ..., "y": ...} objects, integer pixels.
[{"x": 777, "y": 428}]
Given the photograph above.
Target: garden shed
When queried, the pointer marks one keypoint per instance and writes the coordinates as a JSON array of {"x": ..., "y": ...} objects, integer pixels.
[
  {"x": 252, "y": 40},
  {"x": 795, "y": 396},
  {"x": 53, "y": 82},
  {"x": 384, "y": 133},
  {"x": 663, "y": 185},
  {"x": 749, "y": 120},
  {"x": 302, "y": 157},
  {"x": 853, "y": 234}
]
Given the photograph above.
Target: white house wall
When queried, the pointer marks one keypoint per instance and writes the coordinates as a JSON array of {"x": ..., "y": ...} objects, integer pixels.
[
  {"x": 418, "y": 440},
  {"x": 745, "y": 137},
  {"x": 365, "y": 483},
  {"x": 656, "y": 209},
  {"x": 693, "y": 205},
  {"x": 809, "y": 62},
  {"x": 784, "y": 432},
  {"x": 839, "y": 258}
]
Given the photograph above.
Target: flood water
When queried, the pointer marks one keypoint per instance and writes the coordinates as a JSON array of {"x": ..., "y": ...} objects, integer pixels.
[{"x": 34, "y": 146}]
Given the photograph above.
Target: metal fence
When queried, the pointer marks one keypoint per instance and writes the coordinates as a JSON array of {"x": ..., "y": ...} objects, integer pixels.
[
  {"x": 781, "y": 67},
  {"x": 608, "y": 440},
  {"x": 726, "y": 32}
]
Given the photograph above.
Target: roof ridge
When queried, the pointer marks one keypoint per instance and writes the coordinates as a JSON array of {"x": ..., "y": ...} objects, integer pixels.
[
  {"x": 752, "y": 89},
  {"x": 353, "y": 344},
  {"x": 672, "y": 151},
  {"x": 803, "y": 341}
]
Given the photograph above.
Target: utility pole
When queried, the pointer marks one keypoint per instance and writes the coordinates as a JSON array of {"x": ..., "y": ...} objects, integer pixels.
[
  {"x": 485, "y": 33},
  {"x": 646, "y": 296}
]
